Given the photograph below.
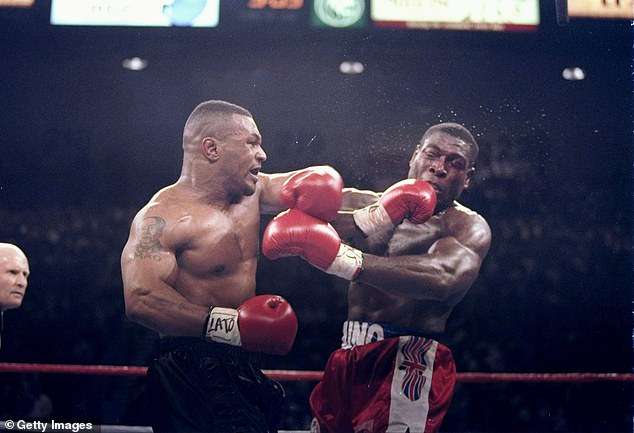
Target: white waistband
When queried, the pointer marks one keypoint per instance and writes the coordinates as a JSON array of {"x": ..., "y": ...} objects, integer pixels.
[{"x": 357, "y": 333}]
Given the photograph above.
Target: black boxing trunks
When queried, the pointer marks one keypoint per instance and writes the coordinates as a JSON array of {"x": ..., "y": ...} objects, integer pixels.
[
  {"x": 197, "y": 386},
  {"x": 383, "y": 379}
]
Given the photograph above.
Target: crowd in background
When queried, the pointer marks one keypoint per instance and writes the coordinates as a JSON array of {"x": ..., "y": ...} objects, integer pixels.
[{"x": 553, "y": 296}]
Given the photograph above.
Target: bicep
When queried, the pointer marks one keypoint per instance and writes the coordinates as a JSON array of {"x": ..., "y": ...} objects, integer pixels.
[
  {"x": 146, "y": 262},
  {"x": 457, "y": 259},
  {"x": 149, "y": 269},
  {"x": 454, "y": 256},
  {"x": 140, "y": 270},
  {"x": 148, "y": 286},
  {"x": 459, "y": 264}
]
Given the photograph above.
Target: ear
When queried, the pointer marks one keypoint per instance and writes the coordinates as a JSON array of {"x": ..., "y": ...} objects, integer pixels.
[
  {"x": 210, "y": 148},
  {"x": 467, "y": 180},
  {"x": 413, "y": 157}
]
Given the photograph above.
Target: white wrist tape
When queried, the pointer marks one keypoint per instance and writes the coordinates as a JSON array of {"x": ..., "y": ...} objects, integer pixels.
[
  {"x": 372, "y": 220},
  {"x": 348, "y": 263},
  {"x": 222, "y": 326}
]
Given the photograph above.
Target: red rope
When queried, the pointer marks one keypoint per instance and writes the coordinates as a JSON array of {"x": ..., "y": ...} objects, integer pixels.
[
  {"x": 98, "y": 370},
  {"x": 289, "y": 375},
  {"x": 543, "y": 377}
]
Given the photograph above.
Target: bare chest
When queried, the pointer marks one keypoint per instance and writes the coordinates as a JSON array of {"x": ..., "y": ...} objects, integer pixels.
[{"x": 220, "y": 243}]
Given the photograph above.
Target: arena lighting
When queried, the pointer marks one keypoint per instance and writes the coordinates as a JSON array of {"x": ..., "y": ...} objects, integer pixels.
[
  {"x": 604, "y": 9},
  {"x": 17, "y": 3},
  {"x": 487, "y": 15},
  {"x": 573, "y": 74},
  {"x": 136, "y": 13},
  {"x": 134, "y": 64},
  {"x": 351, "y": 68}
]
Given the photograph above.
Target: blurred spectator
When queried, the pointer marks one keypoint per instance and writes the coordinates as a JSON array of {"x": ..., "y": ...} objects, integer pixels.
[
  {"x": 14, "y": 274},
  {"x": 21, "y": 396}
]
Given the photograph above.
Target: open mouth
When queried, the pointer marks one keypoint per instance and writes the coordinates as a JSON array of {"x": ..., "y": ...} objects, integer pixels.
[{"x": 254, "y": 173}]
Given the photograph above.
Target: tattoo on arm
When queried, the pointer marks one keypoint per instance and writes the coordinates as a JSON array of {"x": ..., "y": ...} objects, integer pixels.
[{"x": 149, "y": 245}]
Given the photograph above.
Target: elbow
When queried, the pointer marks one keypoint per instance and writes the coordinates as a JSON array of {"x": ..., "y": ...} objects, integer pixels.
[
  {"x": 132, "y": 313},
  {"x": 442, "y": 291},
  {"x": 134, "y": 305},
  {"x": 453, "y": 285},
  {"x": 450, "y": 293}
]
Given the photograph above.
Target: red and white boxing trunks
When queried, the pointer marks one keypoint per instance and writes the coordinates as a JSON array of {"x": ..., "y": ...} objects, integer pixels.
[{"x": 383, "y": 379}]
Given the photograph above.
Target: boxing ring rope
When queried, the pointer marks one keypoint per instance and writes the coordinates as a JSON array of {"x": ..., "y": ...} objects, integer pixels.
[
  {"x": 290, "y": 375},
  {"x": 311, "y": 375}
]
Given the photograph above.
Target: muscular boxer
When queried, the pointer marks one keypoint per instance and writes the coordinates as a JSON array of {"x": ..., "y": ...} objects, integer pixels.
[
  {"x": 189, "y": 269},
  {"x": 411, "y": 254}
]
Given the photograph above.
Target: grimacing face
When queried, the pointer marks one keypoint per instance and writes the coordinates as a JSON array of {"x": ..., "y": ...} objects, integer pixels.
[
  {"x": 14, "y": 274},
  {"x": 243, "y": 155},
  {"x": 443, "y": 161}
]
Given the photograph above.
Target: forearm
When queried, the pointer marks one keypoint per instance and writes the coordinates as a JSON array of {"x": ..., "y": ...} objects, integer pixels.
[
  {"x": 353, "y": 236},
  {"x": 348, "y": 231},
  {"x": 356, "y": 198},
  {"x": 415, "y": 277},
  {"x": 270, "y": 187},
  {"x": 344, "y": 223},
  {"x": 172, "y": 315},
  {"x": 280, "y": 191}
]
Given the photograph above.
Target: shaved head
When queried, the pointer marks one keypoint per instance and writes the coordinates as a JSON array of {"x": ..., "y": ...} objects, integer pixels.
[
  {"x": 209, "y": 119},
  {"x": 14, "y": 273}
]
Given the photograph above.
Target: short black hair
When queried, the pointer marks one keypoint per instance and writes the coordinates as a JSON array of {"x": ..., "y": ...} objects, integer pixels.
[
  {"x": 455, "y": 130},
  {"x": 213, "y": 107},
  {"x": 209, "y": 117}
]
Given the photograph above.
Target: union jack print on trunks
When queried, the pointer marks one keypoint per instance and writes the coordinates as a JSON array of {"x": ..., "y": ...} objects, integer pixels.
[{"x": 414, "y": 365}]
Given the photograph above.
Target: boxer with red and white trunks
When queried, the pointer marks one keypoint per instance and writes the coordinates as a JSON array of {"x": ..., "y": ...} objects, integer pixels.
[
  {"x": 411, "y": 254},
  {"x": 389, "y": 376}
]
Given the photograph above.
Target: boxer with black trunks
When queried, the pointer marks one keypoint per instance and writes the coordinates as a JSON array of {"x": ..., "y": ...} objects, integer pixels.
[
  {"x": 188, "y": 272},
  {"x": 411, "y": 254}
]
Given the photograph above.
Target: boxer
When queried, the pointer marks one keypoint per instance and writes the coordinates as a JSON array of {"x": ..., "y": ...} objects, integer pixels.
[
  {"x": 189, "y": 267},
  {"x": 411, "y": 254}
]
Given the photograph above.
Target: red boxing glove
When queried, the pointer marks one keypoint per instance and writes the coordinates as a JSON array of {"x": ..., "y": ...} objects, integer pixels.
[
  {"x": 265, "y": 323},
  {"x": 294, "y": 233},
  {"x": 318, "y": 191},
  {"x": 410, "y": 198}
]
